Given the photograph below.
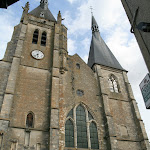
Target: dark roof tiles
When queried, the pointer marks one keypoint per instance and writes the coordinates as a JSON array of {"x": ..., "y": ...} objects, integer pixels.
[
  {"x": 43, "y": 12},
  {"x": 99, "y": 51}
]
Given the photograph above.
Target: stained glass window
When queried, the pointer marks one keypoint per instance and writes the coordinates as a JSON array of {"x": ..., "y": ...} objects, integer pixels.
[
  {"x": 69, "y": 134},
  {"x": 90, "y": 116},
  {"x": 70, "y": 114},
  {"x": 81, "y": 127},
  {"x": 94, "y": 136}
]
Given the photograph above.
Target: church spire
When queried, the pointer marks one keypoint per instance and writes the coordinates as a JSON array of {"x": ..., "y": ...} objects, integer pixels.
[
  {"x": 95, "y": 27},
  {"x": 44, "y": 4},
  {"x": 99, "y": 51}
]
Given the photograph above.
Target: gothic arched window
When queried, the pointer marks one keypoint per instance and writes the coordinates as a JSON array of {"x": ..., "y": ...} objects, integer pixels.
[
  {"x": 93, "y": 136},
  {"x": 69, "y": 134},
  {"x": 81, "y": 123},
  {"x": 35, "y": 36},
  {"x": 81, "y": 127},
  {"x": 43, "y": 39},
  {"x": 113, "y": 84},
  {"x": 29, "y": 120}
]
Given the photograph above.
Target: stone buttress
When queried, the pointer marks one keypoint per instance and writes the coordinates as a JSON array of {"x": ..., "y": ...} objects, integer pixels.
[{"x": 50, "y": 100}]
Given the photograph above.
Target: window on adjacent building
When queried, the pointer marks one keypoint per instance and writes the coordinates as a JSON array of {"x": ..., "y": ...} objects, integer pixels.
[
  {"x": 29, "y": 120},
  {"x": 43, "y": 39},
  {"x": 81, "y": 123},
  {"x": 113, "y": 84},
  {"x": 35, "y": 36}
]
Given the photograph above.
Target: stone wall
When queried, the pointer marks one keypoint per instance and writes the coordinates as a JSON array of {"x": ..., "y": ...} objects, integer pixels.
[
  {"x": 11, "y": 46},
  {"x": 80, "y": 77},
  {"x": 123, "y": 119},
  {"x": 4, "y": 73}
]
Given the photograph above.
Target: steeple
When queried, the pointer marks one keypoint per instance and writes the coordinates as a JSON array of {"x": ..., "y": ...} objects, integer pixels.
[
  {"x": 99, "y": 51},
  {"x": 42, "y": 11}
]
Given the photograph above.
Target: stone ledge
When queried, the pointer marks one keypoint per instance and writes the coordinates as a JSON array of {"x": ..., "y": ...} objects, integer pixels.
[{"x": 30, "y": 129}]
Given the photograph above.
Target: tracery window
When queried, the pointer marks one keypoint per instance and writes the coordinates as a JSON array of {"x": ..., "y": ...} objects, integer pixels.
[
  {"x": 43, "y": 39},
  {"x": 35, "y": 36},
  {"x": 81, "y": 129},
  {"x": 29, "y": 120},
  {"x": 113, "y": 84}
]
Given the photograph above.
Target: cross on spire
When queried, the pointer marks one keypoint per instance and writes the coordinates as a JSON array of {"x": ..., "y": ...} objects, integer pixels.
[{"x": 91, "y": 10}]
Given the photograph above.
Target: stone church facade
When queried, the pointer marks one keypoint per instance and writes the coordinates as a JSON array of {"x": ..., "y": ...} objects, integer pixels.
[{"x": 50, "y": 100}]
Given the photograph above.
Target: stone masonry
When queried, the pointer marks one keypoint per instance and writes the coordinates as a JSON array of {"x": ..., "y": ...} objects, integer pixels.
[{"x": 49, "y": 88}]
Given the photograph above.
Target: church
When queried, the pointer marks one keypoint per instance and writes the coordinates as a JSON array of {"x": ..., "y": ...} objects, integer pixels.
[{"x": 50, "y": 100}]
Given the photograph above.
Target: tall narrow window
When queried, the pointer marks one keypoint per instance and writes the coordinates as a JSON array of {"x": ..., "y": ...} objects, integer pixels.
[
  {"x": 82, "y": 141},
  {"x": 113, "y": 85},
  {"x": 1, "y": 140},
  {"x": 43, "y": 39},
  {"x": 29, "y": 121},
  {"x": 35, "y": 36},
  {"x": 69, "y": 134},
  {"x": 94, "y": 136}
]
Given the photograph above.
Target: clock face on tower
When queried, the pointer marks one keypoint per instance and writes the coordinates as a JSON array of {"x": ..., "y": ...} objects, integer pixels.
[{"x": 37, "y": 54}]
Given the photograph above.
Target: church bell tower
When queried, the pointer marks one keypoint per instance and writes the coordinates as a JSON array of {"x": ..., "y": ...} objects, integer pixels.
[
  {"x": 29, "y": 78},
  {"x": 50, "y": 100}
]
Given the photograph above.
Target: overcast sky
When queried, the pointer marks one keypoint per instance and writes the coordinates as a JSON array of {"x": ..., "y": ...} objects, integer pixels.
[{"x": 114, "y": 28}]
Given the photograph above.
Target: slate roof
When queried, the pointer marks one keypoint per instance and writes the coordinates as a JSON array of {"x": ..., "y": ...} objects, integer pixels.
[
  {"x": 99, "y": 51},
  {"x": 47, "y": 14}
]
